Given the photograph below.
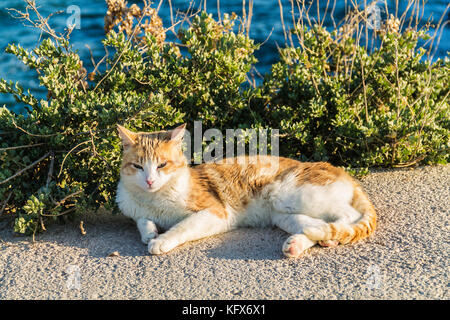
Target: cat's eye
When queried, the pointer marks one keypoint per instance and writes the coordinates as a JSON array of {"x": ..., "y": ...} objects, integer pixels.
[
  {"x": 162, "y": 165},
  {"x": 137, "y": 166}
]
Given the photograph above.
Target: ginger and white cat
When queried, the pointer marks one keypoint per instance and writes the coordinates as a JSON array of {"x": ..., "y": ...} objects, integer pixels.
[{"x": 315, "y": 202}]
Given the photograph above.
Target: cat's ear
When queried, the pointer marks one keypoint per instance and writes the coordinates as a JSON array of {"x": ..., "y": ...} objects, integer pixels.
[
  {"x": 128, "y": 137},
  {"x": 178, "y": 133}
]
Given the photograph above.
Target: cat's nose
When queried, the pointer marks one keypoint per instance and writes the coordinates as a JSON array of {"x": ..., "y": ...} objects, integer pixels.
[{"x": 149, "y": 183}]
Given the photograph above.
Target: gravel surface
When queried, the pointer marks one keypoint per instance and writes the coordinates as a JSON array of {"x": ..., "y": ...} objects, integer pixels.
[{"x": 406, "y": 258}]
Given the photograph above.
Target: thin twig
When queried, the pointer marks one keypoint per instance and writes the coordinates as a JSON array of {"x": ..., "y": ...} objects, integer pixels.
[
  {"x": 59, "y": 214},
  {"x": 64, "y": 160},
  {"x": 123, "y": 51},
  {"x": 32, "y": 134},
  {"x": 82, "y": 230},
  {"x": 101, "y": 60},
  {"x": 5, "y": 202},
  {"x": 26, "y": 168},
  {"x": 60, "y": 202},
  {"x": 364, "y": 90},
  {"x": 22, "y": 147},
  {"x": 41, "y": 23},
  {"x": 410, "y": 163},
  {"x": 282, "y": 21},
  {"x": 91, "y": 54},
  {"x": 49, "y": 178},
  {"x": 435, "y": 33},
  {"x": 50, "y": 170},
  {"x": 249, "y": 17},
  {"x": 171, "y": 28},
  {"x": 218, "y": 11}
]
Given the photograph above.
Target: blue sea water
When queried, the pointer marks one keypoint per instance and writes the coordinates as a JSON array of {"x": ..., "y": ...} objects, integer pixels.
[{"x": 266, "y": 27}]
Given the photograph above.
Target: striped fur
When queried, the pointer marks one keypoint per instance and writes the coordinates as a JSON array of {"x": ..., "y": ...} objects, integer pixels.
[{"x": 348, "y": 233}]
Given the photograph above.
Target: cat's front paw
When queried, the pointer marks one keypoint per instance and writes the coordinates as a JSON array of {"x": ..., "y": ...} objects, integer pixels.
[
  {"x": 145, "y": 238},
  {"x": 161, "y": 245},
  {"x": 147, "y": 229}
]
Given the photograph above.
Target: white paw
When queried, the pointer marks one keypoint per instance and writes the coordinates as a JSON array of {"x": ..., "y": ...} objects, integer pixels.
[
  {"x": 161, "y": 245},
  {"x": 147, "y": 229},
  {"x": 295, "y": 245},
  {"x": 149, "y": 236}
]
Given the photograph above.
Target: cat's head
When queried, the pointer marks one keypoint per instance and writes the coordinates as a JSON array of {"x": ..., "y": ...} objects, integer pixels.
[{"x": 151, "y": 159}]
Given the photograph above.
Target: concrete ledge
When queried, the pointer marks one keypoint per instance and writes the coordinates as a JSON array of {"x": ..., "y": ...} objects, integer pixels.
[{"x": 406, "y": 258}]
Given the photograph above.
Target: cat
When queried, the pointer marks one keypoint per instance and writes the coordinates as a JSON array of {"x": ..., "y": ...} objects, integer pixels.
[{"x": 314, "y": 202}]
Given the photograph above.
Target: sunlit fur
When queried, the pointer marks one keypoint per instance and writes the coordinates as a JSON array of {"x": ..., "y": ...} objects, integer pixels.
[{"x": 315, "y": 202}]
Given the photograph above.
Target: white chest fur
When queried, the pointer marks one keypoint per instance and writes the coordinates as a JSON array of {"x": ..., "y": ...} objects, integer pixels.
[{"x": 165, "y": 208}]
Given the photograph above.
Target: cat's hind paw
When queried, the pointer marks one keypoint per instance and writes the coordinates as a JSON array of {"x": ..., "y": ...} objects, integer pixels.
[{"x": 295, "y": 245}]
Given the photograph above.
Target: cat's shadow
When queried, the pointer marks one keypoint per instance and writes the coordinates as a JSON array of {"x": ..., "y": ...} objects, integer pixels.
[
  {"x": 105, "y": 235},
  {"x": 108, "y": 234},
  {"x": 246, "y": 244}
]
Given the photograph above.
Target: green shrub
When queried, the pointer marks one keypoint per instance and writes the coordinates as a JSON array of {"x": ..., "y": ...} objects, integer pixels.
[
  {"x": 334, "y": 101},
  {"x": 206, "y": 82}
]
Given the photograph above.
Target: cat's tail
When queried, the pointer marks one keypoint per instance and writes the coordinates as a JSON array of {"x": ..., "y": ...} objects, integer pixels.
[{"x": 344, "y": 232}]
